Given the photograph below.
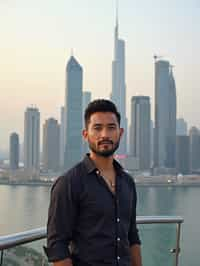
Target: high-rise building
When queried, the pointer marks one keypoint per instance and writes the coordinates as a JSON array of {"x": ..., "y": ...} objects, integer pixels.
[
  {"x": 73, "y": 112},
  {"x": 32, "y": 140},
  {"x": 14, "y": 151},
  {"x": 51, "y": 148},
  {"x": 182, "y": 155},
  {"x": 181, "y": 127},
  {"x": 86, "y": 100},
  {"x": 151, "y": 142},
  {"x": 140, "y": 130},
  {"x": 194, "y": 135},
  {"x": 118, "y": 95},
  {"x": 62, "y": 136},
  {"x": 165, "y": 116}
]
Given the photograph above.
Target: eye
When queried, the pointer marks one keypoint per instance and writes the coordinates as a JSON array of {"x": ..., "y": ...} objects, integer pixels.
[
  {"x": 97, "y": 128},
  {"x": 112, "y": 127}
]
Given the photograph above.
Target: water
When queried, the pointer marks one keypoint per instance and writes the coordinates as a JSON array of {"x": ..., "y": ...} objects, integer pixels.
[{"x": 25, "y": 207}]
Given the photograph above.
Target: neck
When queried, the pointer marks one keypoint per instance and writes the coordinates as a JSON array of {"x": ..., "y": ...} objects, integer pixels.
[{"x": 102, "y": 163}]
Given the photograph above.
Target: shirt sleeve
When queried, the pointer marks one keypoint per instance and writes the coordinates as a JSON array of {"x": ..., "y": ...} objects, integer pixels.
[
  {"x": 133, "y": 231},
  {"x": 61, "y": 218}
]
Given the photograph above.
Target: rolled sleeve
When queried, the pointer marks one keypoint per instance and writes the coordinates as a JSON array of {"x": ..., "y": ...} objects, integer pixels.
[
  {"x": 61, "y": 217},
  {"x": 133, "y": 234}
]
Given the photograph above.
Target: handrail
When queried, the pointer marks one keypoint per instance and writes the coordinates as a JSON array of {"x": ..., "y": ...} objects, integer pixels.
[
  {"x": 159, "y": 219},
  {"x": 10, "y": 241},
  {"x": 25, "y": 237},
  {"x": 13, "y": 240}
]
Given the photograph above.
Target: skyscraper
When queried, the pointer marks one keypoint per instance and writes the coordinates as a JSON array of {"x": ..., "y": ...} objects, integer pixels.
[
  {"x": 14, "y": 151},
  {"x": 32, "y": 140},
  {"x": 62, "y": 136},
  {"x": 73, "y": 112},
  {"x": 51, "y": 147},
  {"x": 140, "y": 130},
  {"x": 182, "y": 155},
  {"x": 118, "y": 95},
  {"x": 194, "y": 136},
  {"x": 165, "y": 116},
  {"x": 86, "y": 101},
  {"x": 181, "y": 127}
]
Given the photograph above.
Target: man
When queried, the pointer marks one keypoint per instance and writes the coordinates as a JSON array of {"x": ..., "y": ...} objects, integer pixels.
[{"x": 92, "y": 213}]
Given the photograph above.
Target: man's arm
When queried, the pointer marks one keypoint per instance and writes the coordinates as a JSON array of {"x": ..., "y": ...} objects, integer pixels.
[
  {"x": 61, "y": 219},
  {"x": 136, "y": 258},
  {"x": 134, "y": 240}
]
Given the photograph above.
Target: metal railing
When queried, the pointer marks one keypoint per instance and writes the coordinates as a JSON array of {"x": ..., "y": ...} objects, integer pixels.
[{"x": 26, "y": 237}]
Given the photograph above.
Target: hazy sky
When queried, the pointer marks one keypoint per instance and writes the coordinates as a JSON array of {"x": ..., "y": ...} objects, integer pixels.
[{"x": 36, "y": 38}]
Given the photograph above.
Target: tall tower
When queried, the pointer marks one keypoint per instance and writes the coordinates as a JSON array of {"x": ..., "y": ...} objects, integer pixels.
[
  {"x": 32, "y": 140},
  {"x": 165, "y": 116},
  {"x": 140, "y": 130},
  {"x": 118, "y": 95},
  {"x": 51, "y": 148},
  {"x": 73, "y": 113},
  {"x": 14, "y": 151},
  {"x": 171, "y": 133}
]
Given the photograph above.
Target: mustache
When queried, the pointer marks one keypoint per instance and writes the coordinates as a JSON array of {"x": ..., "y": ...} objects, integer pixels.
[{"x": 105, "y": 142}]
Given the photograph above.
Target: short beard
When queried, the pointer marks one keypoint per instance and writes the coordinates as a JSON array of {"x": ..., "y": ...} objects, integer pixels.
[{"x": 105, "y": 153}]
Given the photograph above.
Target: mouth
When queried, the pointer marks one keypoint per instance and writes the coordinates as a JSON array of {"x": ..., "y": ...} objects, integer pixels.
[{"x": 105, "y": 143}]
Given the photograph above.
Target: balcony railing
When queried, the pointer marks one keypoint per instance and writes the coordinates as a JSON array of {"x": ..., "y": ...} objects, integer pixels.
[{"x": 13, "y": 240}]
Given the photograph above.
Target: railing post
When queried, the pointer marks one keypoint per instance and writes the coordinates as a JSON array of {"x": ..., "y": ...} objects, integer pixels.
[
  {"x": 178, "y": 232},
  {"x": 1, "y": 261}
]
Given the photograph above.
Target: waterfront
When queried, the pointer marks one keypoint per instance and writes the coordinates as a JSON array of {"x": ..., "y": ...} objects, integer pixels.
[{"x": 25, "y": 207}]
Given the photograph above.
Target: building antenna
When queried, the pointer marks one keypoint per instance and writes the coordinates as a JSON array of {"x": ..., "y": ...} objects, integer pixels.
[{"x": 117, "y": 12}]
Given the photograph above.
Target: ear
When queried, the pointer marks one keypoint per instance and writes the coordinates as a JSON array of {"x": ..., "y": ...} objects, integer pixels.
[
  {"x": 121, "y": 132},
  {"x": 85, "y": 134}
]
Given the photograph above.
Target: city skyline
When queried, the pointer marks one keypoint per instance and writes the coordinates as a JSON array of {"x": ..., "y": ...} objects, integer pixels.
[{"x": 38, "y": 38}]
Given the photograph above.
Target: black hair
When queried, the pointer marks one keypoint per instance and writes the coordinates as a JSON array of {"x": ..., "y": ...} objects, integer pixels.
[{"x": 100, "y": 105}]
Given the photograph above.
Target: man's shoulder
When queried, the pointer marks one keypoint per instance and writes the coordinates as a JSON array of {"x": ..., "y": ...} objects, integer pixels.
[
  {"x": 127, "y": 177},
  {"x": 72, "y": 176}
]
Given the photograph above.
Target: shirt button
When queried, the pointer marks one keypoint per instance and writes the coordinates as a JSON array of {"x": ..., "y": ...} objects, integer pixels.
[
  {"x": 118, "y": 239},
  {"x": 118, "y": 220},
  {"x": 118, "y": 257}
]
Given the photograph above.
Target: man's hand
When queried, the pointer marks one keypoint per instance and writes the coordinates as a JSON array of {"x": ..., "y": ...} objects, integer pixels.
[
  {"x": 66, "y": 262},
  {"x": 136, "y": 258}
]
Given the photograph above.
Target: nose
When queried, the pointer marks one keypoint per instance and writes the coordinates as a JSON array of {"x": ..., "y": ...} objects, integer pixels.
[{"x": 104, "y": 132}]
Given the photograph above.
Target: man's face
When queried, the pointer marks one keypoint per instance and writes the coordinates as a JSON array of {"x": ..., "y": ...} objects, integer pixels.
[{"x": 103, "y": 133}]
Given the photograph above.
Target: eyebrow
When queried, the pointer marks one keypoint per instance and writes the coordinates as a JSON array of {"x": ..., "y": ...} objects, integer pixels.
[{"x": 100, "y": 124}]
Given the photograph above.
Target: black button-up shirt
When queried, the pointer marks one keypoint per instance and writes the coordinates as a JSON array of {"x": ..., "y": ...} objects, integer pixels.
[{"x": 100, "y": 224}]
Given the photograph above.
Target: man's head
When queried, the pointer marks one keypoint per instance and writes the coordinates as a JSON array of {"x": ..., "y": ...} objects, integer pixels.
[{"x": 102, "y": 127}]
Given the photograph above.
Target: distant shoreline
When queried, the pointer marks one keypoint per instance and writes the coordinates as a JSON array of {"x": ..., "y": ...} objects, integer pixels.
[
  {"x": 26, "y": 183},
  {"x": 138, "y": 184}
]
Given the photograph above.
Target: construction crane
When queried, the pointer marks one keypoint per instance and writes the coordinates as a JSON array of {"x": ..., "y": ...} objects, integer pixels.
[{"x": 157, "y": 57}]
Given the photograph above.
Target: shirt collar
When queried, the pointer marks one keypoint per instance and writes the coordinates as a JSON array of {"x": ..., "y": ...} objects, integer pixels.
[{"x": 90, "y": 166}]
